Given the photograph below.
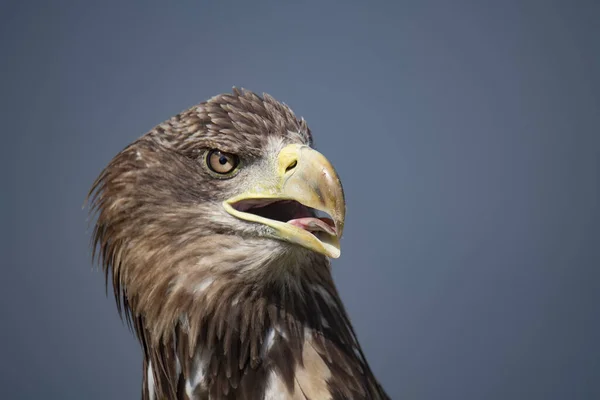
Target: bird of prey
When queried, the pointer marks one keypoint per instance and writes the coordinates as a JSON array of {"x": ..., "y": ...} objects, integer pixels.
[{"x": 216, "y": 229}]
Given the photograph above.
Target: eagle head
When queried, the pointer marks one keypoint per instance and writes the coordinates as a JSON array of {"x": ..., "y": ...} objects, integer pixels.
[{"x": 215, "y": 228}]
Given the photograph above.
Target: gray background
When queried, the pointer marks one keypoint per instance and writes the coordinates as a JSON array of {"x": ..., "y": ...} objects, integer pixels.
[{"x": 467, "y": 137}]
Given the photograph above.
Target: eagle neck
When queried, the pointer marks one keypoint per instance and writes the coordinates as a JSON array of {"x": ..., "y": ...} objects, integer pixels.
[{"x": 249, "y": 321}]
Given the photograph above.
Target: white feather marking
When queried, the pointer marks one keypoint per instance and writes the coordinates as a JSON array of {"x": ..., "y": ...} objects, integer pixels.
[
  {"x": 198, "y": 372},
  {"x": 138, "y": 155},
  {"x": 281, "y": 332},
  {"x": 203, "y": 285},
  {"x": 275, "y": 389},
  {"x": 274, "y": 145},
  {"x": 189, "y": 389},
  {"x": 150, "y": 379},
  {"x": 269, "y": 340},
  {"x": 324, "y": 323}
]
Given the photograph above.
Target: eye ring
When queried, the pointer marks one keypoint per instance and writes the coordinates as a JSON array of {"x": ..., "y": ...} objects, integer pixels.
[{"x": 221, "y": 163}]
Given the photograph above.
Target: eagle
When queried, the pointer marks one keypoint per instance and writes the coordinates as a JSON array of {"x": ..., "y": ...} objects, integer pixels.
[{"x": 215, "y": 230}]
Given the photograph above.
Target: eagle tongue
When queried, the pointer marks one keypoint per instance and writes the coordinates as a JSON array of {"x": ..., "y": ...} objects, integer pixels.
[{"x": 313, "y": 224}]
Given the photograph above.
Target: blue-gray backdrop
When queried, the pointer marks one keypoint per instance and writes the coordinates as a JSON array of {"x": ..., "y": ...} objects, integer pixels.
[{"x": 467, "y": 135}]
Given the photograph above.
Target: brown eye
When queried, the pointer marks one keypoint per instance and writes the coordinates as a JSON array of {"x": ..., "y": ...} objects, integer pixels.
[{"x": 220, "y": 162}]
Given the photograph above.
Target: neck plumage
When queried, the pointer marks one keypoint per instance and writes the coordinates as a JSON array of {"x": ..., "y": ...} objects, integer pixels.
[{"x": 251, "y": 331}]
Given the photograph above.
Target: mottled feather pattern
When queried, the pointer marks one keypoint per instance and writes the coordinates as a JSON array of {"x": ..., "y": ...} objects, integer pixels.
[{"x": 220, "y": 311}]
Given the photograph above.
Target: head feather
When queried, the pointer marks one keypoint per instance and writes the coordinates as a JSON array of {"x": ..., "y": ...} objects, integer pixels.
[{"x": 218, "y": 310}]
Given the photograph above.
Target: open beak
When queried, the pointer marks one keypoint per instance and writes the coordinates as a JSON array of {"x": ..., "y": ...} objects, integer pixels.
[{"x": 304, "y": 182}]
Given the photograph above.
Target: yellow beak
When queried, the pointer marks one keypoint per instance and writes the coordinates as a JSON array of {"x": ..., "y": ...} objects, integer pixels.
[{"x": 303, "y": 175}]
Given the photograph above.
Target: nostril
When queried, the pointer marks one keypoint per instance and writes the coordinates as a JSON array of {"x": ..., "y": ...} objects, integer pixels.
[{"x": 291, "y": 166}]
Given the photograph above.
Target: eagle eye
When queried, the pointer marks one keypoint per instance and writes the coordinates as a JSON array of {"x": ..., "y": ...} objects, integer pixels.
[{"x": 220, "y": 162}]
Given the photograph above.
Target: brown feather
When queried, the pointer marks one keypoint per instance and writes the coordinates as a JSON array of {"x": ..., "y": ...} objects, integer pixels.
[{"x": 210, "y": 301}]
